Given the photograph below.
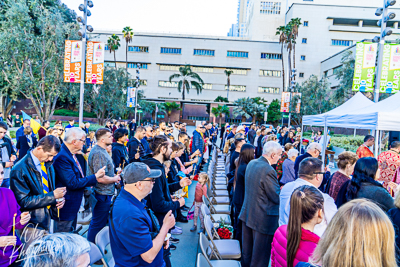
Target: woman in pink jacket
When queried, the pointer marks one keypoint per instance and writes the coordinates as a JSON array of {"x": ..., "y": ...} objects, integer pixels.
[{"x": 296, "y": 241}]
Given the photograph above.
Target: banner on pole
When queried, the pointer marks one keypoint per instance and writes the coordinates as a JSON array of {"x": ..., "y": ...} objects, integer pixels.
[
  {"x": 390, "y": 73},
  {"x": 72, "y": 61},
  {"x": 131, "y": 97},
  {"x": 364, "y": 67},
  {"x": 298, "y": 104},
  {"x": 285, "y": 102},
  {"x": 94, "y": 62}
]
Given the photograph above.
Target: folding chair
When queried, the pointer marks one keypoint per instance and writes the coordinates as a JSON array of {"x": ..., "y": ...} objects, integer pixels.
[
  {"x": 221, "y": 209},
  {"x": 215, "y": 218},
  {"x": 94, "y": 253},
  {"x": 102, "y": 241},
  {"x": 226, "y": 249},
  {"x": 205, "y": 246},
  {"x": 217, "y": 200}
]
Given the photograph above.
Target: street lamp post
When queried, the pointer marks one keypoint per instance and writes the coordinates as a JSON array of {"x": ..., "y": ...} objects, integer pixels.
[
  {"x": 384, "y": 32},
  {"x": 82, "y": 33},
  {"x": 137, "y": 88}
]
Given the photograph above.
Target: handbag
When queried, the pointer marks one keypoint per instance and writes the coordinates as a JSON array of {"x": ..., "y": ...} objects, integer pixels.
[{"x": 190, "y": 214}]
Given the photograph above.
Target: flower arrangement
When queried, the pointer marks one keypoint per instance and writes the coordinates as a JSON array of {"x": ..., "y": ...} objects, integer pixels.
[{"x": 224, "y": 231}]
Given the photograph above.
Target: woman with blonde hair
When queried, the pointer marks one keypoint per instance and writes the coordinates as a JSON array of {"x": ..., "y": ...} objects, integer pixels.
[
  {"x": 360, "y": 234},
  {"x": 60, "y": 133}
]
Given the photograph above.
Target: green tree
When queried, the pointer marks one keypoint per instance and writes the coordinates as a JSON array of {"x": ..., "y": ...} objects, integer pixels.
[
  {"x": 113, "y": 44},
  {"x": 128, "y": 34},
  {"x": 32, "y": 36},
  {"x": 294, "y": 32},
  {"x": 109, "y": 99},
  {"x": 345, "y": 76},
  {"x": 228, "y": 82},
  {"x": 283, "y": 33},
  {"x": 221, "y": 99},
  {"x": 187, "y": 79},
  {"x": 274, "y": 112},
  {"x": 220, "y": 111},
  {"x": 169, "y": 107}
]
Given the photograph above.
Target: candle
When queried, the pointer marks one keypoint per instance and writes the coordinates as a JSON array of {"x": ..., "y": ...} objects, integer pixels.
[
  {"x": 58, "y": 212},
  {"x": 14, "y": 224}
]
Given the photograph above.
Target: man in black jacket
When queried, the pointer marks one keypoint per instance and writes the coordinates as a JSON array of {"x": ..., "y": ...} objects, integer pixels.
[
  {"x": 159, "y": 200},
  {"x": 132, "y": 128},
  {"x": 119, "y": 153},
  {"x": 135, "y": 147},
  {"x": 33, "y": 184},
  {"x": 251, "y": 134},
  {"x": 7, "y": 154}
]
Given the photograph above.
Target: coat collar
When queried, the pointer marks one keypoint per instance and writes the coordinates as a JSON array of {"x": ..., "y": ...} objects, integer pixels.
[{"x": 307, "y": 235}]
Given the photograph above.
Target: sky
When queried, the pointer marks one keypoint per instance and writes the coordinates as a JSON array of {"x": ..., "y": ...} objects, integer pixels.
[{"x": 203, "y": 17}]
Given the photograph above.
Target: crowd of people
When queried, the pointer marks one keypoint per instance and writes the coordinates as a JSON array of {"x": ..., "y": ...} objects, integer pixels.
[{"x": 287, "y": 209}]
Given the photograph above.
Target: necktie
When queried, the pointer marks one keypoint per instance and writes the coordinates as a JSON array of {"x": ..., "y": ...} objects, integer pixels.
[
  {"x": 79, "y": 166},
  {"x": 45, "y": 180}
]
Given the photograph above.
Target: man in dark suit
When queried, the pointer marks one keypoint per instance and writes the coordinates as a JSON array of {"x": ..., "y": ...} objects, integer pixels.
[
  {"x": 135, "y": 146},
  {"x": 260, "y": 211},
  {"x": 132, "y": 128},
  {"x": 70, "y": 173}
]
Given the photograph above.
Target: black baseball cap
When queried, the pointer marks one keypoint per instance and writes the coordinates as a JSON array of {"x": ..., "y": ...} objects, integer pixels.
[{"x": 138, "y": 171}]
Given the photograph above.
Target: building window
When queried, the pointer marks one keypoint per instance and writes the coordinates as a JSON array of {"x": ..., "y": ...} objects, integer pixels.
[
  {"x": 237, "y": 54},
  {"x": 305, "y": 23},
  {"x": 238, "y": 71},
  {"x": 167, "y": 50},
  {"x": 169, "y": 67},
  {"x": 337, "y": 70},
  {"x": 106, "y": 47},
  {"x": 271, "y": 56},
  {"x": 109, "y": 64},
  {"x": 270, "y": 8},
  {"x": 203, "y": 52},
  {"x": 304, "y": 41},
  {"x": 142, "y": 82},
  {"x": 301, "y": 74},
  {"x": 270, "y": 73},
  {"x": 134, "y": 65},
  {"x": 342, "y": 42},
  {"x": 207, "y": 86},
  {"x": 238, "y": 88},
  {"x": 325, "y": 74},
  {"x": 142, "y": 49},
  {"x": 197, "y": 118},
  {"x": 268, "y": 90},
  {"x": 167, "y": 84},
  {"x": 202, "y": 69},
  {"x": 302, "y": 58}
]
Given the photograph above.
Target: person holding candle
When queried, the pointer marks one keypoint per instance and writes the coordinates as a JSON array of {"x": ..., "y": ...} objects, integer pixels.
[
  {"x": 135, "y": 146},
  {"x": 11, "y": 219}
]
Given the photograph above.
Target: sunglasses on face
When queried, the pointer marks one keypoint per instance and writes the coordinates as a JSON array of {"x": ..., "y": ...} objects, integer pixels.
[{"x": 151, "y": 180}]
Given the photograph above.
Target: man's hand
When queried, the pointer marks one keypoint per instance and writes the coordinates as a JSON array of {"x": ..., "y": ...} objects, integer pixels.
[
  {"x": 9, "y": 164},
  {"x": 393, "y": 186},
  {"x": 25, "y": 217},
  {"x": 185, "y": 182},
  {"x": 100, "y": 173},
  {"x": 137, "y": 156},
  {"x": 60, "y": 204},
  {"x": 117, "y": 178},
  {"x": 166, "y": 244},
  {"x": 196, "y": 159},
  {"x": 327, "y": 169},
  {"x": 60, "y": 192},
  {"x": 169, "y": 220},
  {"x": 181, "y": 201},
  {"x": 13, "y": 158},
  {"x": 8, "y": 241}
]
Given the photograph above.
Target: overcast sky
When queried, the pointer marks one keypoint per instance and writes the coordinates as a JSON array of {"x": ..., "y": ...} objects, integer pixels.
[{"x": 204, "y": 17}]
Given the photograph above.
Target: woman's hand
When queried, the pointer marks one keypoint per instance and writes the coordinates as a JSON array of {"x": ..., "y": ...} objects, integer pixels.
[
  {"x": 8, "y": 241},
  {"x": 393, "y": 186},
  {"x": 25, "y": 217}
]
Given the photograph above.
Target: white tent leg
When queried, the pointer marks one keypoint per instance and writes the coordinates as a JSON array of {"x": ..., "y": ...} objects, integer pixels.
[
  {"x": 376, "y": 146},
  {"x": 325, "y": 144},
  {"x": 355, "y": 130},
  {"x": 301, "y": 137}
]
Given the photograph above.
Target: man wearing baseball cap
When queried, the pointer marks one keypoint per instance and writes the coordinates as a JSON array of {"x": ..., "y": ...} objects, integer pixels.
[{"x": 136, "y": 238}]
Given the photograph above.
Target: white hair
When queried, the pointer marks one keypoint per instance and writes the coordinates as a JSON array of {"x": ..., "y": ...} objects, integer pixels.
[
  {"x": 271, "y": 147},
  {"x": 57, "y": 250},
  {"x": 293, "y": 153},
  {"x": 314, "y": 146},
  {"x": 73, "y": 134}
]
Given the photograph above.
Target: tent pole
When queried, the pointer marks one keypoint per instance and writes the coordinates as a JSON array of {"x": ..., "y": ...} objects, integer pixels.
[
  {"x": 377, "y": 142},
  {"x": 301, "y": 136},
  {"x": 325, "y": 144},
  {"x": 355, "y": 130}
]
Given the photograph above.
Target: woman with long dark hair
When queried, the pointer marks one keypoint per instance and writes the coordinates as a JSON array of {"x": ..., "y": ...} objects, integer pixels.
[
  {"x": 364, "y": 185},
  {"x": 245, "y": 156},
  {"x": 295, "y": 242}
]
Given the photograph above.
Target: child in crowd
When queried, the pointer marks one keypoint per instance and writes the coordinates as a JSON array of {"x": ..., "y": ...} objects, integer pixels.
[
  {"x": 201, "y": 190},
  {"x": 295, "y": 242}
]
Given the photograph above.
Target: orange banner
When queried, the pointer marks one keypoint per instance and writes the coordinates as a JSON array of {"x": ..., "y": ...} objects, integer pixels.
[
  {"x": 285, "y": 102},
  {"x": 94, "y": 62},
  {"x": 72, "y": 61}
]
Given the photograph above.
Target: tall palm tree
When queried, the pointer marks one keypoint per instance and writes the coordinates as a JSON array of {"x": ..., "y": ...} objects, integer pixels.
[
  {"x": 220, "y": 111},
  {"x": 128, "y": 34},
  {"x": 228, "y": 82},
  {"x": 281, "y": 31},
  {"x": 187, "y": 80},
  {"x": 113, "y": 45},
  {"x": 295, "y": 23}
]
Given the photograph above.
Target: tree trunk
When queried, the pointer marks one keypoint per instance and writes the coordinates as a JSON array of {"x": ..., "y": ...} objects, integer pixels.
[
  {"x": 115, "y": 60},
  {"x": 283, "y": 70},
  {"x": 227, "y": 91},
  {"x": 220, "y": 119},
  {"x": 169, "y": 116},
  {"x": 243, "y": 118},
  {"x": 294, "y": 56},
  {"x": 183, "y": 98},
  {"x": 253, "y": 118},
  {"x": 290, "y": 66},
  {"x": 126, "y": 57}
]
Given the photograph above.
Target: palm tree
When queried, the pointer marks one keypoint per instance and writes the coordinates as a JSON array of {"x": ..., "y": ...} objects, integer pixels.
[
  {"x": 228, "y": 82},
  {"x": 219, "y": 111},
  {"x": 168, "y": 107},
  {"x": 187, "y": 80},
  {"x": 243, "y": 108},
  {"x": 281, "y": 31},
  {"x": 295, "y": 23},
  {"x": 221, "y": 99},
  {"x": 113, "y": 45},
  {"x": 128, "y": 34}
]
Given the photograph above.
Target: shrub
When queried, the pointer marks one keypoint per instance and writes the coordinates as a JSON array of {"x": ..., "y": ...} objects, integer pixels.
[{"x": 71, "y": 113}]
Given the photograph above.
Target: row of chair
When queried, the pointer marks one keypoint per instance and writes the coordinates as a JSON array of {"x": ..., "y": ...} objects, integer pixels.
[
  {"x": 98, "y": 250},
  {"x": 217, "y": 252}
]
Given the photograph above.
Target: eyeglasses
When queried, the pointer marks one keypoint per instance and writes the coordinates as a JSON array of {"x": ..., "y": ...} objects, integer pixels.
[
  {"x": 81, "y": 140},
  {"x": 151, "y": 180},
  {"x": 318, "y": 150},
  {"x": 320, "y": 173}
]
